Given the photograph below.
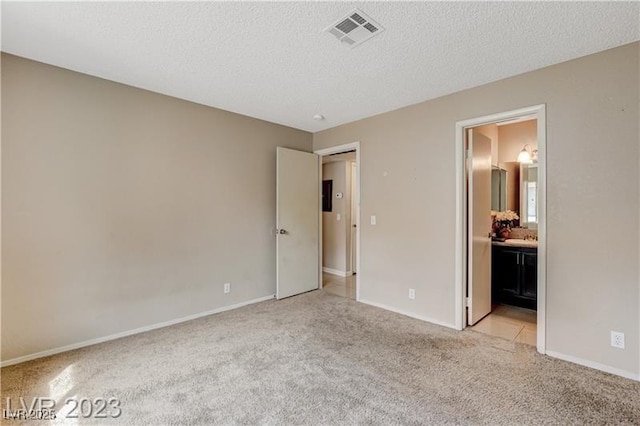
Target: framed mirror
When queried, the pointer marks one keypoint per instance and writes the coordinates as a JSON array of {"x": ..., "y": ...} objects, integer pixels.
[
  {"x": 498, "y": 189},
  {"x": 508, "y": 198}
]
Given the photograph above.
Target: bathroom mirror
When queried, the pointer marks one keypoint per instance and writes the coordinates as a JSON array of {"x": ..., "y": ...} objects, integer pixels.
[
  {"x": 510, "y": 179},
  {"x": 498, "y": 189},
  {"x": 529, "y": 196}
]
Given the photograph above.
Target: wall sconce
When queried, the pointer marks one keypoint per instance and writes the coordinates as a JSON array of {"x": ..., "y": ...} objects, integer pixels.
[{"x": 527, "y": 155}]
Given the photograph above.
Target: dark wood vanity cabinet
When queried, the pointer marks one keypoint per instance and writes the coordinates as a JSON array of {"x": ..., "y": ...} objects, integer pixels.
[{"x": 514, "y": 276}]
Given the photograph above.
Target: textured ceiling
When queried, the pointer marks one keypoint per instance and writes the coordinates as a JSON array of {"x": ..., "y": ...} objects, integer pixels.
[{"x": 272, "y": 60}]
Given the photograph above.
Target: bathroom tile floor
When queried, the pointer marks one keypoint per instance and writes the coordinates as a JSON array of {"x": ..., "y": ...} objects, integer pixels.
[
  {"x": 511, "y": 323},
  {"x": 340, "y": 286}
]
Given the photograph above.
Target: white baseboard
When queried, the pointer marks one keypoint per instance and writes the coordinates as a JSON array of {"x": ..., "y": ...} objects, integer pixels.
[
  {"x": 595, "y": 365},
  {"x": 129, "y": 332},
  {"x": 409, "y": 314},
  {"x": 337, "y": 272}
]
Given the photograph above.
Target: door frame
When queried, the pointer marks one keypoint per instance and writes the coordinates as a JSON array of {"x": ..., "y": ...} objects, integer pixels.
[
  {"x": 354, "y": 218},
  {"x": 336, "y": 150},
  {"x": 539, "y": 113}
]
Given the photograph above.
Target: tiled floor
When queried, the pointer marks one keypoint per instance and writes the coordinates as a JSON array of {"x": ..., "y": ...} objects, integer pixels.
[
  {"x": 511, "y": 323},
  {"x": 340, "y": 286}
]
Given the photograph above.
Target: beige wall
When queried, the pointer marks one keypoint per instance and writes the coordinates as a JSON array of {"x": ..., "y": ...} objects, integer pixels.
[
  {"x": 334, "y": 231},
  {"x": 513, "y": 185},
  {"x": 491, "y": 131},
  {"x": 513, "y": 137},
  {"x": 123, "y": 208},
  {"x": 408, "y": 181}
]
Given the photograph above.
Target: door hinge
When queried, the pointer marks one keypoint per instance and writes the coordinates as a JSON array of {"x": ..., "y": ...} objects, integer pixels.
[{"x": 467, "y": 302}]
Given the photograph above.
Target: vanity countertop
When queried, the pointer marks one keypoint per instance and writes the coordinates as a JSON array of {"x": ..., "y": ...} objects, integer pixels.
[{"x": 516, "y": 243}]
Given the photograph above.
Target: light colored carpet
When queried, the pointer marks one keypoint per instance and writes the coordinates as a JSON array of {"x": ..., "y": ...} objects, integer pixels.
[{"x": 323, "y": 359}]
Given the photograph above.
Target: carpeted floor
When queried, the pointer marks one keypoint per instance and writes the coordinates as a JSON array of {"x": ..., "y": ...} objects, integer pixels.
[{"x": 323, "y": 359}]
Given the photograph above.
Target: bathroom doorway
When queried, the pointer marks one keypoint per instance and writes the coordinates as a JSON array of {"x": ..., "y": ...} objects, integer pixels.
[{"x": 500, "y": 231}]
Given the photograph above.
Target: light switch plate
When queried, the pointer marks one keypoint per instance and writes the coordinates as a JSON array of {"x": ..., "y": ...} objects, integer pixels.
[{"x": 373, "y": 220}]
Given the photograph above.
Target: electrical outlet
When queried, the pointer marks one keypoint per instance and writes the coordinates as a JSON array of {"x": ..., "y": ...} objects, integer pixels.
[
  {"x": 412, "y": 293},
  {"x": 617, "y": 339},
  {"x": 227, "y": 288},
  {"x": 373, "y": 220}
]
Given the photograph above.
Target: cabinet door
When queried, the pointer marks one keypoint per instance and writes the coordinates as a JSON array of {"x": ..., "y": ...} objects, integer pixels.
[
  {"x": 507, "y": 271},
  {"x": 529, "y": 278}
]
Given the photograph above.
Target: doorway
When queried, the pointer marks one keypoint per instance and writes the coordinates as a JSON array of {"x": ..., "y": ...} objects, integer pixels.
[
  {"x": 500, "y": 275},
  {"x": 339, "y": 219}
]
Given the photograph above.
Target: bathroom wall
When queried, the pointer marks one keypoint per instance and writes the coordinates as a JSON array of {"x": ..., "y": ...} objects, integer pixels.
[
  {"x": 513, "y": 185},
  {"x": 513, "y": 137},
  {"x": 491, "y": 131}
]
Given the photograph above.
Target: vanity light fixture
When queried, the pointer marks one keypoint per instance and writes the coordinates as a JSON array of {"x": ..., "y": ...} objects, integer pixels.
[{"x": 527, "y": 155}]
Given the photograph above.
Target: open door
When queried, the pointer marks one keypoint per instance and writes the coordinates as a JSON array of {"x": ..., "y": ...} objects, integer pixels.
[
  {"x": 479, "y": 228},
  {"x": 297, "y": 222}
]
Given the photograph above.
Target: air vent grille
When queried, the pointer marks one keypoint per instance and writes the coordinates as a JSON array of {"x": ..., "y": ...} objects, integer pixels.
[
  {"x": 359, "y": 19},
  {"x": 370, "y": 27},
  {"x": 355, "y": 28},
  {"x": 347, "y": 26}
]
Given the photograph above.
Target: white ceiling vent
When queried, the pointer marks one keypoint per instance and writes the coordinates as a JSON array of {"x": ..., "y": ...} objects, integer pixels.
[{"x": 355, "y": 28}]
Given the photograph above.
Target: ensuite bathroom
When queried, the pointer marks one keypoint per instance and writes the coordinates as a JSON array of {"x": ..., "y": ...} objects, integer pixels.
[{"x": 514, "y": 230}]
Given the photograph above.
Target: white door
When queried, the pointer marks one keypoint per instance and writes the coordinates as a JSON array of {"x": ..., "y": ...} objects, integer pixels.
[
  {"x": 297, "y": 222},
  {"x": 479, "y": 220}
]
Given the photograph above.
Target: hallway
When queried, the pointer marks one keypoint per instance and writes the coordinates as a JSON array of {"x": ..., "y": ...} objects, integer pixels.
[{"x": 340, "y": 286}]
